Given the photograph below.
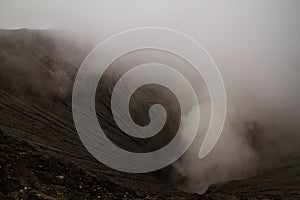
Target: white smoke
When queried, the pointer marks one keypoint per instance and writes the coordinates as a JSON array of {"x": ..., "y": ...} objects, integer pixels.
[{"x": 255, "y": 44}]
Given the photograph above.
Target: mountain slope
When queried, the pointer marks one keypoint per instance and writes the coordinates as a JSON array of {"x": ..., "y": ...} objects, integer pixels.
[{"x": 42, "y": 156}]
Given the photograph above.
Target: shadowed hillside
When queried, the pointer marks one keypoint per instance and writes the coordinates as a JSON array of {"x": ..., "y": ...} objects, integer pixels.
[{"x": 42, "y": 156}]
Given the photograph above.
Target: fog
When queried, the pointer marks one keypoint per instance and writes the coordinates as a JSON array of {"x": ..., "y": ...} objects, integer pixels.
[{"x": 256, "y": 46}]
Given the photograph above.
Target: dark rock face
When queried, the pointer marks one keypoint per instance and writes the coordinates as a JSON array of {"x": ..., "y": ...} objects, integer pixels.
[
  {"x": 29, "y": 173},
  {"x": 42, "y": 156}
]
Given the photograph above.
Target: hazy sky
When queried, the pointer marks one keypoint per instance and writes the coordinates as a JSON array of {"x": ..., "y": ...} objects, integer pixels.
[
  {"x": 98, "y": 15},
  {"x": 245, "y": 38},
  {"x": 238, "y": 34},
  {"x": 249, "y": 40}
]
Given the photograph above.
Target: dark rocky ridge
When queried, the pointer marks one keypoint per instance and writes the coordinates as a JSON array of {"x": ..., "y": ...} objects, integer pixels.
[
  {"x": 37, "y": 127},
  {"x": 41, "y": 154}
]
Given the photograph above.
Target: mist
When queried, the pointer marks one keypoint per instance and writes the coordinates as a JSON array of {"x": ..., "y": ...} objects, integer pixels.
[{"x": 255, "y": 44}]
